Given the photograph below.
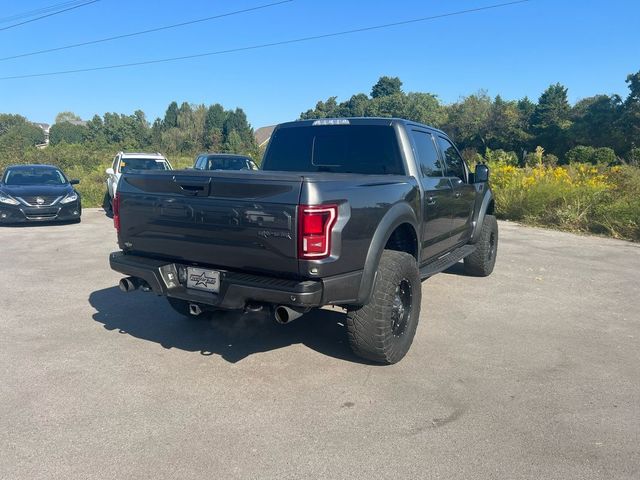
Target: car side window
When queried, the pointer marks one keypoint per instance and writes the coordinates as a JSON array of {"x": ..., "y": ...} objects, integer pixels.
[
  {"x": 115, "y": 164},
  {"x": 200, "y": 162},
  {"x": 455, "y": 164},
  {"x": 430, "y": 163}
]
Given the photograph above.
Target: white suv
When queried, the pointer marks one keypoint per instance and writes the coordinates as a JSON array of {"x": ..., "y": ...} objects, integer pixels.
[{"x": 124, "y": 162}]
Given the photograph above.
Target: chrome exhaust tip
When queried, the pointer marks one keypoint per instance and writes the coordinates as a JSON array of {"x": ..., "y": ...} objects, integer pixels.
[
  {"x": 284, "y": 315},
  {"x": 129, "y": 284}
]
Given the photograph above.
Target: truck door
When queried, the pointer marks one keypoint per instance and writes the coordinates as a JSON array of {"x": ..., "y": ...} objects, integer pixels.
[
  {"x": 438, "y": 194},
  {"x": 464, "y": 193}
]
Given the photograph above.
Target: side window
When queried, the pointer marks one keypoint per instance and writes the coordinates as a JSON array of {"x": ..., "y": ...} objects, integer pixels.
[
  {"x": 115, "y": 164},
  {"x": 200, "y": 162},
  {"x": 455, "y": 164},
  {"x": 430, "y": 164}
]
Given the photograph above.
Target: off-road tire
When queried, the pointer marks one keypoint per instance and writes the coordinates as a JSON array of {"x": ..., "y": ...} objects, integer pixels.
[
  {"x": 376, "y": 330},
  {"x": 481, "y": 262}
]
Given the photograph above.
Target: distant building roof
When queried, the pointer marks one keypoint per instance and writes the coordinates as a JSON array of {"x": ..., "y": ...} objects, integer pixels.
[
  {"x": 43, "y": 126},
  {"x": 263, "y": 134}
]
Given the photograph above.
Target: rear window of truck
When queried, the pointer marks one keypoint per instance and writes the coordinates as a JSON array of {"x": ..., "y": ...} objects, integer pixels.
[{"x": 364, "y": 149}]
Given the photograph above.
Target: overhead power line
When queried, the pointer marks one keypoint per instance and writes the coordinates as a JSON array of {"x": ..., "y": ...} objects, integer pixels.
[
  {"x": 265, "y": 45},
  {"x": 39, "y": 11},
  {"x": 144, "y": 32},
  {"x": 58, "y": 12}
]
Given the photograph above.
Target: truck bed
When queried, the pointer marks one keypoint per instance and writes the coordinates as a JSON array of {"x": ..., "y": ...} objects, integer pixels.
[{"x": 244, "y": 220}]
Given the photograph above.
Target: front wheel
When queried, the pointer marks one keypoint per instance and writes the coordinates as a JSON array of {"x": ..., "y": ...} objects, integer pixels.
[
  {"x": 481, "y": 262},
  {"x": 382, "y": 330},
  {"x": 107, "y": 203}
]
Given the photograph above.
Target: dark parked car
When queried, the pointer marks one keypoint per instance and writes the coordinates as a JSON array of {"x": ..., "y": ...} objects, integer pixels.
[
  {"x": 350, "y": 212},
  {"x": 37, "y": 193},
  {"x": 223, "y": 161}
]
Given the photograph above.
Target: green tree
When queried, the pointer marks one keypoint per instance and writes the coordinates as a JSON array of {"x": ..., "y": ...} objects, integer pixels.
[
  {"x": 506, "y": 126},
  {"x": 386, "y": 86},
  {"x": 323, "y": 110},
  {"x": 95, "y": 131},
  {"x": 233, "y": 142},
  {"x": 213, "y": 125},
  {"x": 171, "y": 116},
  {"x": 468, "y": 121},
  {"x": 356, "y": 106},
  {"x": 68, "y": 133},
  {"x": 17, "y": 135},
  {"x": 551, "y": 120},
  {"x": 629, "y": 122},
  {"x": 423, "y": 108},
  {"x": 67, "y": 117},
  {"x": 594, "y": 121},
  {"x": 7, "y": 121}
]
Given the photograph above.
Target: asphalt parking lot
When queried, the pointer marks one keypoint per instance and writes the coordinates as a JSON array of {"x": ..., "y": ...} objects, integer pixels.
[{"x": 533, "y": 373}]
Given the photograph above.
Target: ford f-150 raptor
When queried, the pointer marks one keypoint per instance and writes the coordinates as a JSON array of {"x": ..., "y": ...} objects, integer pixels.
[{"x": 352, "y": 212}]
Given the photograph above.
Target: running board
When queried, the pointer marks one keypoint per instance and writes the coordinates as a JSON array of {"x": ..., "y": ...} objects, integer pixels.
[{"x": 444, "y": 262}]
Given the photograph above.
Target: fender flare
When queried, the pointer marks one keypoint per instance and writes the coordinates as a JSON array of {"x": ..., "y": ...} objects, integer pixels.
[
  {"x": 482, "y": 211},
  {"x": 397, "y": 215}
]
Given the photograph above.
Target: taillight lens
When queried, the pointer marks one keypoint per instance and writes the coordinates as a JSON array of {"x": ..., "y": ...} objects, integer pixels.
[
  {"x": 116, "y": 212},
  {"x": 315, "y": 223}
]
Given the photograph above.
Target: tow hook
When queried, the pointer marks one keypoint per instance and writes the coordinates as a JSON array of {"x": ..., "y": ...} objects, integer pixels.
[{"x": 194, "y": 309}]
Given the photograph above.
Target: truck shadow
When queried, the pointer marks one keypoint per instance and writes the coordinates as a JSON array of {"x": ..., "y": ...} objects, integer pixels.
[
  {"x": 231, "y": 335},
  {"x": 456, "y": 269}
]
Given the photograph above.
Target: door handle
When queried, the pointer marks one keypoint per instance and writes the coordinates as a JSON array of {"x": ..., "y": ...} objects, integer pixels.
[
  {"x": 457, "y": 194},
  {"x": 193, "y": 186},
  {"x": 431, "y": 200}
]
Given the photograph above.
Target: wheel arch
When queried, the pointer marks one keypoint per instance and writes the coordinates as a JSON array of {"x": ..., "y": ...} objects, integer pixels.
[
  {"x": 398, "y": 230},
  {"x": 487, "y": 207}
]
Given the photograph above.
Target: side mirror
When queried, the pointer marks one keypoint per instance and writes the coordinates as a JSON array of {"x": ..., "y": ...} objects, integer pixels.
[
  {"x": 75, "y": 181},
  {"x": 109, "y": 171},
  {"x": 482, "y": 173}
]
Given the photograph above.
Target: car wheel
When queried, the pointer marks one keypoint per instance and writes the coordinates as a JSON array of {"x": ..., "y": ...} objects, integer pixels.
[
  {"x": 481, "y": 262},
  {"x": 107, "y": 203},
  {"x": 382, "y": 330}
]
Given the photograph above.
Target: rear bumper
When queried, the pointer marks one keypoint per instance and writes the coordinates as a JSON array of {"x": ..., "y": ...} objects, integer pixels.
[{"x": 236, "y": 288}]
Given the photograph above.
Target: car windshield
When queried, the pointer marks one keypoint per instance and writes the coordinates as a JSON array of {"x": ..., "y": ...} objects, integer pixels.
[
  {"x": 34, "y": 176},
  {"x": 366, "y": 149},
  {"x": 128, "y": 164},
  {"x": 226, "y": 164}
]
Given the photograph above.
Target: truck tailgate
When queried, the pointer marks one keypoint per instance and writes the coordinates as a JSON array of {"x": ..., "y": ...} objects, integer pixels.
[{"x": 236, "y": 220}]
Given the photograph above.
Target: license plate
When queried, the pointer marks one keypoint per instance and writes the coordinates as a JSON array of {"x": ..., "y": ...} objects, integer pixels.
[{"x": 203, "y": 279}]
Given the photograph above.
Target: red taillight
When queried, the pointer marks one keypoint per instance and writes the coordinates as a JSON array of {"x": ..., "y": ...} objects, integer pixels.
[
  {"x": 315, "y": 223},
  {"x": 116, "y": 212}
]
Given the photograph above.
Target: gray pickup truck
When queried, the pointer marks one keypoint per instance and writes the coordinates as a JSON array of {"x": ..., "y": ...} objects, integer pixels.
[{"x": 352, "y": 212}]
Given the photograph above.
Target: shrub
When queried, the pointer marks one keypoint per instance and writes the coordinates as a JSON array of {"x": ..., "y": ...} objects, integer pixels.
[
  {"x": 502, "y": 157},
  {"x": 604, "y": 156},
  {"x": 577, "y": 197},
  {"x": 634, "y": 157},
  {"x": 595, "y": 156}
]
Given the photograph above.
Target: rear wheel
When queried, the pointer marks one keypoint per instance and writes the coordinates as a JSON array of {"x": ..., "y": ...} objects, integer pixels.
[
  {"x": 481, "y": 262},
  {"x": 383, "y": 329}
]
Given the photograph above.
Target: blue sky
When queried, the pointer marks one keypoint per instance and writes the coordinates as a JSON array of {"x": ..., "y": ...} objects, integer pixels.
[{"x": 589, "y": 46}]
